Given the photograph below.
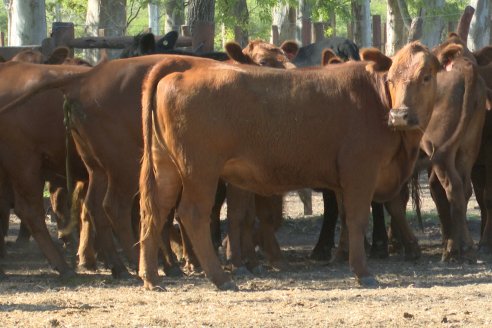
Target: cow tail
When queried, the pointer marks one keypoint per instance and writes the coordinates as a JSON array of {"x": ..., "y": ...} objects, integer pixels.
[
  {"x": 415, "y": 191},
  {"x": 149, "y": 209}
]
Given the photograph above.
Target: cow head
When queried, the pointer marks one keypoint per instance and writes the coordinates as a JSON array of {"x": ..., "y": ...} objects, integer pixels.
[
  {"x": 166, "y": 43},
  {"x": 453, "y": 39},
  {"x": 410, "y": 84},
  {"x": 143, "y": 44},
  {"x": 263, "y": 53},
  {"x": 58, "y": 56}
]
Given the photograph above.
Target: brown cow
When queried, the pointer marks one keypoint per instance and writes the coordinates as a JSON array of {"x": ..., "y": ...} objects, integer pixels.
[
  {"x": 33, "y": 149},
  {"x": 240, "y": 123},
  {"x": 107, "y": 132}
]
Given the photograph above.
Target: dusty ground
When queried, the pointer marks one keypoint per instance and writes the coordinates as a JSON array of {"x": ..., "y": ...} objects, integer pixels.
[{"x": 310, "y": 294}]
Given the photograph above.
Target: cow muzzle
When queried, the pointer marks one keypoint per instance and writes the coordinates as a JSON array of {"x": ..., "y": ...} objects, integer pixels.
[{"x": 402, "y": 118}]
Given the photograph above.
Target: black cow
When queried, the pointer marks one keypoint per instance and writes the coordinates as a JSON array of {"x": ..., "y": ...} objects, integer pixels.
[
  {"x": 145, "y": 44},
  {"x": 310, "y": 55}
]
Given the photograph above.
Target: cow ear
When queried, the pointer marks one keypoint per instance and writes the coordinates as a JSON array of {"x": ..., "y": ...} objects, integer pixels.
[
  {"x": 291, "y": 48},
  {"x": 329, "y": 57},
  {"x": 146, "y": 44},
  {"x": 58, "y": 56},
  {"x": 453, "y": 35},
  {"x": 448, "y": 54},
  {"x": 235, "y": 52},
  {"x": 483, "y": 56},
  {"x": 378, "y": 61},
  {"x": 168, "y": 41}
]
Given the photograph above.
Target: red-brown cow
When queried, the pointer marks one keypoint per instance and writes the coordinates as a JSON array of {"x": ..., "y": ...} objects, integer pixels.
[
  {"x": 241, "y": 123},
  {"x": 32, "y": 149}
]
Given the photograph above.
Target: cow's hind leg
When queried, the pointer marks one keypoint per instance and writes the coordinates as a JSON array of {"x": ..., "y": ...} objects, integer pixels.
[
  {"x": 482, "y": 183},
  {"x": 326, "y": 240},
  {"x": 379, "y": 247},
  {"x": 194, "y": 210}
]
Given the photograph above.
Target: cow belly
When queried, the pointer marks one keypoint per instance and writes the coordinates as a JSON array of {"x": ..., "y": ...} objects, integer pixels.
[{"x": 274, "y": 179}]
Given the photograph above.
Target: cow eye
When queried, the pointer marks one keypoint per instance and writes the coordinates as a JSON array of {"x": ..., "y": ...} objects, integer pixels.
[
  {"x": 427, "y": 78},
  {"x": 263, "y": 62}
]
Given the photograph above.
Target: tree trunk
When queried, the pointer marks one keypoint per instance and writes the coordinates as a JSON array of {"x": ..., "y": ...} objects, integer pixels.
[
  {"x": 27, "y": 22},
  {"x": 305, "y": 22},
  {"x": 174, "y": 15},
  {"x": 361, "y": 18},
  {"x": 405, "y": 15},
  {"x": 394, "y": 28},
  {"x": 200, "y": 11},
  {"x": 479, "y": 35},
  {"x": 109, "y": 15},
  {"x": 434, "y": 23},
  {"x": 154, "y": 21},
  {"x": 284, "y": 16},
  {"x": 240, "y": 30}
]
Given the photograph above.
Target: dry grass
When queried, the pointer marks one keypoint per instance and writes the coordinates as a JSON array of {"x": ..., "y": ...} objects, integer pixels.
[{"x": 310, "y": 294}]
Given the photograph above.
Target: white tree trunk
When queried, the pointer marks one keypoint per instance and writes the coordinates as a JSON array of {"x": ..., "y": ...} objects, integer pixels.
[
  {"x": 434, "y": 23},
  {"x": 154, "y": 20},
  {"x": 109, "y": 15},
  {"x": 394, "y": 28},
  {"x": 479, "y": 35},
  {"x": 27, "y": 24},
  {"x": 284, "y": 17}
]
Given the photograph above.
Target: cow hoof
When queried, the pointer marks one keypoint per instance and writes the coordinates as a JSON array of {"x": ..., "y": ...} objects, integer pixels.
[
  {"x": 341, "y": 256},
  {"x": 154, "y": 287},
  {"x": 469, "y": 255},
  {"x": 258, "y": 270},
  {"x": 241, "y": 271},
  {"x": 321, "y": 254},
  {"x": 91, "y": 266},
  {"x": 379, "y": 251},
  {"x": 120, "y": 274},
  {"x": 228, "y": 285},
  {"x": 67, "y": 275},
  {"x": 280, "y": 265},
  {"x": 485, "y": 249},
  {"x": 368, "y": 282},
  {"x": 412, "y": 252},
  {"x": 173, "y": 271}
]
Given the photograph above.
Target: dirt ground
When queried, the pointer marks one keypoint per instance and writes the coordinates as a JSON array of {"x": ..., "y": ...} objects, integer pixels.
[{"x": 309, "y": 294}]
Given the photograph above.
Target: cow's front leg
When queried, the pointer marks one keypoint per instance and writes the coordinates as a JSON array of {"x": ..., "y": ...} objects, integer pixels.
[{"x": 356, "y": 205}]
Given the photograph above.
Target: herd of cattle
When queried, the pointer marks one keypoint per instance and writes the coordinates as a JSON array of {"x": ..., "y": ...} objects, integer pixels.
[{"x": 161, "y": 137}]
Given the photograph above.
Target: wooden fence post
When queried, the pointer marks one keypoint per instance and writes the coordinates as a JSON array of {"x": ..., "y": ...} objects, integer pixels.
[
  {"x": 275, "y": 35},
  {"x": 62, "y": 33},
  {"x": 2, "y": 39},
  {"x": 318, "y": 31},
  {"x": 306, "y": 31},
  {"x": 376, "y": 31},
  {"x": 203, "y": 36}
]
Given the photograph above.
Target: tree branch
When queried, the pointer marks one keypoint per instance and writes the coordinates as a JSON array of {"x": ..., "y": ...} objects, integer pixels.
[{"x": 405, "y": 15}]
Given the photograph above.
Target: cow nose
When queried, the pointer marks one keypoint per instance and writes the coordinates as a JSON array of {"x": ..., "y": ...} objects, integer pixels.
[{"x": 398, "y": 117}]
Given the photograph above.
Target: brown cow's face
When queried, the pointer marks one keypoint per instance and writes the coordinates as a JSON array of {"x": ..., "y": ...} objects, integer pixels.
[
  {"x": 411, "y": 83},
  {"x": 263, "y": 53}
]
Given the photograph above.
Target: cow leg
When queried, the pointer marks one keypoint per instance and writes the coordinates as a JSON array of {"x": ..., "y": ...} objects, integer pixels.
[
  {"x": 482, "y": 179},
  {"x": 269, "y": 212},
  {"x": 194, "y": 210},
  {"x": 397, "y": 209},
  {"x": 118, "y": 204},
  {"x": 104, "y": 233},
  {"x": 191, "y": 262},
  {"x": 460, "y": 244},
  {"x": 240, "y": 205},
  {"x": 24, "y": 234},
  {"x": 478, "y": 178},
  {"x": 158, "y": 197},
  {"x": 379, "y": 247},
  {"x": 326, "y": 240},
  {"x": 29, "y": 206},
  {"x": 220, "y": 197},
  {"x": 442, "y": 204},
  {"x": 356, "y": 207},
  {"x": 86, "y": 251},
  {"x": 307, "y": 200}
]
